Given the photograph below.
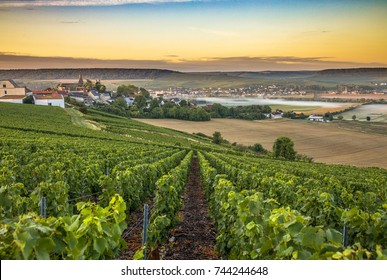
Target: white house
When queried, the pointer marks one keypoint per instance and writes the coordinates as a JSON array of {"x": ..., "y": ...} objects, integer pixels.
[
  {"x": 94, "y": 94},
  {"x": 129, "y": 101},
  {"x": 9, "y": 87},
  {"x": 316, "y": 118},
  {"x": 18, "y": 99},
  {"x": 105, "y": 96},
  {"x": 50, "y": 100}
]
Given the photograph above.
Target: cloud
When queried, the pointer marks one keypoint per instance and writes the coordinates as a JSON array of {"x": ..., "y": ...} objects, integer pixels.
[
  {"x": 221, "y": 33},
  {"x": 69, "y": 22},
  {"x": 315, "y": 32},
  {"x": 279, "y": 63},
  {"x": 47, "y": 3}
]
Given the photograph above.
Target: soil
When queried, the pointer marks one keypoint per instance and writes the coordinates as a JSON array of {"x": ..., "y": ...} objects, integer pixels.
[
  {"x": 193, "y": 238},
  {"x": 133, "y": 234}
]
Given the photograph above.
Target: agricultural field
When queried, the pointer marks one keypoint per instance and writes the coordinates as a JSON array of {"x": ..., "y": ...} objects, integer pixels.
[
  {"x": 375, "y": 112},
  {"x": 73, "y": 191},
  {"x": 335, "y": 142}
]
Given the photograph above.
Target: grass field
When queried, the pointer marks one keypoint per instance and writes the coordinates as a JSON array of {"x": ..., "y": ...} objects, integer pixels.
[
  {"x": 335, "y": 142},
  {"x": 376, "y": 112}
]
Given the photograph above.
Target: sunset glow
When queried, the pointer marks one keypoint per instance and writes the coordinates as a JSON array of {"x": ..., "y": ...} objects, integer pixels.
[{"x": 194, "y": 35}]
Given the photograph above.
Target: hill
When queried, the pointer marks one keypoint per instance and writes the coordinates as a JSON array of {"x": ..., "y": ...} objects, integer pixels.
[
  {"x": 73, "y": 186},
  {"x": 154, "y": 78}
]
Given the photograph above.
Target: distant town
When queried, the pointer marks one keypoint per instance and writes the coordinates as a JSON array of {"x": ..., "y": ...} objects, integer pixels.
[{"x": 182, "y": 103}]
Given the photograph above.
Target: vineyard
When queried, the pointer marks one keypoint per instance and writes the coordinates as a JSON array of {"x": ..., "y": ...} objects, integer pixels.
[{"x": 71, "y": 192}]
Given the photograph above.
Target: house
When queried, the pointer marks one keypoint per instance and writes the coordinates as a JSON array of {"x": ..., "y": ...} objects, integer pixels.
[
  {"x": 18, "y": 99},
  {"x": 9, "y": 87},
  {"x": 43, "y": 92},
  {"x": 157, "y": 95},
  {"x": 49, "y": 100},
  {"x": 93, "y": 94},
  {"x": 316, "y": 118},
  {"x": 105, "y": 96},
  {"x": 277, "y": 114},
  {"x": 129, "y": 101},
  {"x": 78, "y": 96},
  {"x": 175, "y": 100},
  {"x": 71, "y": 87}
]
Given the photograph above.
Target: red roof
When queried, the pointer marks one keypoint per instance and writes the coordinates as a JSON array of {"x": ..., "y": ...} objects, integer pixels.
[
  {"x": 43, "y": 92},
  {"x": 13, "y": 97},
  {"x": 53, "y": 96}
]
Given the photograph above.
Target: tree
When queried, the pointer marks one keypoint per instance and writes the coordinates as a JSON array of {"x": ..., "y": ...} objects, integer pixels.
[
  {"x": 120, "y": 103},
  {"x": 29, "y": 100},
  {"x": 154, "y": 104},
  {"x": 203, "y": 115},
  {"x": 284, "y": 148},
  {"x": 140, "y": 101},
  {"x": 258, "y": 148},
  {"x": 340, "y": 118},
  {"x": 144, "y": 92},
  {"x": 354, "y": 117},
  {"x": 217, "y": 138},
  {"x": 88, "y": 85},
  {"x": 127, "y": 89},
  {"x": 157, "y": 113},
  {"x": 102, "y": 88},
  {"x": 83, "y": 109},
  {"x": 134, "y": 112},
  {"x": 183, "y": 103}
]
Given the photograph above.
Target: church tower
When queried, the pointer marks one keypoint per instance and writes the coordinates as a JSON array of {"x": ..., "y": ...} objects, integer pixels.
[{"x": 80, "y": 82}]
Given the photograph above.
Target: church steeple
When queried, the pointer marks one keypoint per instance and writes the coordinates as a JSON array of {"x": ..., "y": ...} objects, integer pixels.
[{"x": 80, "y": 82}]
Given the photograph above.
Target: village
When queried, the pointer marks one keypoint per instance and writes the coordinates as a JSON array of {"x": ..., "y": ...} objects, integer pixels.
[{"x": 96, "y": 95}]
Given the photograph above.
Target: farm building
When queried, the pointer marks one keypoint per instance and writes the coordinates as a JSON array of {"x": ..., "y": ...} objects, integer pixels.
[
  {"x": 18, "y": 99},
  {"x": 316, "y": 118},
  {"x": 50, "y": 100},
  {"x": 9, "y": 87}
]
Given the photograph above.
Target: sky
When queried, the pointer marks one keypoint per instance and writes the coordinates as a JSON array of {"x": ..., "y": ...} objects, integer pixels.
[{"x": 200, "y": 35}]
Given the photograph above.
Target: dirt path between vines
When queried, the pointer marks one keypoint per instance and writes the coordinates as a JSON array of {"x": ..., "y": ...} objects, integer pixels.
[{"x": 193, "y": 238}]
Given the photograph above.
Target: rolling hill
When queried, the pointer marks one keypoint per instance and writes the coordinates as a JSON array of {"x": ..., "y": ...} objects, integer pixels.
[{"x": 156, "y": 78}]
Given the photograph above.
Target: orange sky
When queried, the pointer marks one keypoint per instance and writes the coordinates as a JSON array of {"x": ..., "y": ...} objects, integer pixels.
[{"x": 195, "y": 35}]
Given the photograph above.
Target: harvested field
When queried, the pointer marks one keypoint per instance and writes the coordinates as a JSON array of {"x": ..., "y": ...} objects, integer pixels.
[{"x": 325, "y": 142}]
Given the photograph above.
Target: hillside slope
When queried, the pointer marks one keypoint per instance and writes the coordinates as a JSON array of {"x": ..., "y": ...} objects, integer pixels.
[{"x": 155, "y": 78}]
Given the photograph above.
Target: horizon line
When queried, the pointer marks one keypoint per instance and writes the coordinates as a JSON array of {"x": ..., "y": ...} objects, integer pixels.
[{"x": 195, "y": 71}]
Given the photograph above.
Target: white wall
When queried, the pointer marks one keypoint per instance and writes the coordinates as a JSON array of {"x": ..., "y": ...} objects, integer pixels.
[
  {"x": 17, "y": 101},
  {"x": 53, "y": 102}
]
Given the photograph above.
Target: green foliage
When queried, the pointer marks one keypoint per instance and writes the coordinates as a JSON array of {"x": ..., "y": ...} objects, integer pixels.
[
  {"x": 120, "y": 103},
  {"x": 167, "y": 201},
  {"x": 83, "y": 109},
  {"x": 88, "y": 84},
  {"x": 258, "y": 148},
  {"x": 140, "y": 101},
  {"x": 28, "y": 100},
  {"x": 217, "y": 138},
  {"x": 267, "y": 214},
  {"x": 284, "y": 148},
  {"x": 93, "y": 234},
  {"x": 263, "y": 208},
  {"x": 252, "y": 112},
  {"x": 170, "y": 110},
  {"x": 125, "y": 90}
]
